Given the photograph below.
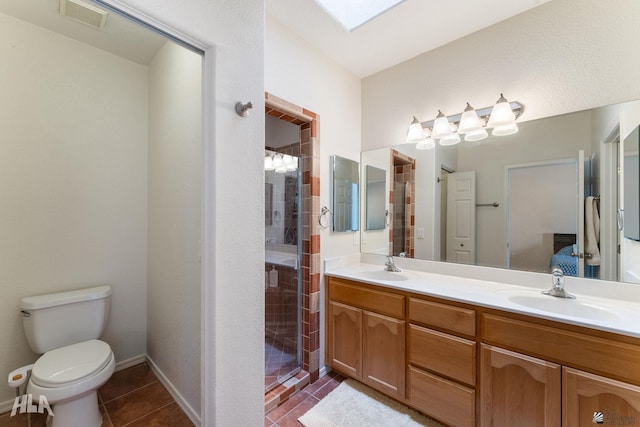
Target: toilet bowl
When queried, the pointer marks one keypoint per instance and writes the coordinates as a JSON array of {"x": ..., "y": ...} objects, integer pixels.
[
  {"x": 69, "y": 378},
  {"x": 64, "y": 327}
]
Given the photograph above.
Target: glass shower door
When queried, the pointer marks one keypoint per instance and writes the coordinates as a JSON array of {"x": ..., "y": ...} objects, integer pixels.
[{"x": 282, "y": 273}]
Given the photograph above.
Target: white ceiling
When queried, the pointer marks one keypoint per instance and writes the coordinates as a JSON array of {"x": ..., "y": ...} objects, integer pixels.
[
  {"x": 407, "y": 30},
  {"x": 119, "y": 36}
]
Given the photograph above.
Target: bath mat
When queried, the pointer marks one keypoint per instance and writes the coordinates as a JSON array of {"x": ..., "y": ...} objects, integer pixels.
[{"x": 353, "y": 404}]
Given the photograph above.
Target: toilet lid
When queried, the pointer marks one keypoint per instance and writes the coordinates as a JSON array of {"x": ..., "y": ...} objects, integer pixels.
[{"x": 71, "y": 363}]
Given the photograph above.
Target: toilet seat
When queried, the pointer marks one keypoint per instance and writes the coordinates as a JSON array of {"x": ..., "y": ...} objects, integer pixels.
[{"x": 66, "y": 365}]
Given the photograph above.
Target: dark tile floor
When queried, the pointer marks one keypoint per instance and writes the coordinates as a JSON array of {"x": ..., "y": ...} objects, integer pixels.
[
  {"x": 287, "y": 414},
  {"x": 279, "y": 352},
  {"x": 131, "y": 397}
]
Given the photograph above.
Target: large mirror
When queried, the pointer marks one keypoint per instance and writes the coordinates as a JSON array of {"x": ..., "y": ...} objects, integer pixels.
[
  {"x": 375, "y": 195},
  {"x": 544, "y": 196},
  {"x": 631, "y": 186},
  {"x": 345, "y": 189}
]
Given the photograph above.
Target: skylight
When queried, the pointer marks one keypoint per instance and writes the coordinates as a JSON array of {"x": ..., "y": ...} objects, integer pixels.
[{"x": 353, "y": 13}]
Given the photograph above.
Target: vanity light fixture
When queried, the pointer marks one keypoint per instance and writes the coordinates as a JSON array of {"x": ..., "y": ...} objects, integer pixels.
[
  {"x": 281, "y": 163},
  {"x": 268, "y": 163},
  {"x": 419, "y": 136},
  {"x": 416, "y": 131},
  {"x": 471, "y": 123},
  {"x": 441, "y": 127},
  {"x": 502, "y": 119}
]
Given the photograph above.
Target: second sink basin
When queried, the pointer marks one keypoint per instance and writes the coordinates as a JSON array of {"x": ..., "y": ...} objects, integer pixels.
[{"x": 568, "y": 307}]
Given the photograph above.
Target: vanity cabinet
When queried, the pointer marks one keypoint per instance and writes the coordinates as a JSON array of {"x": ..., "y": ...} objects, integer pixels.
[
  {"x": 518, "y": 390},
  {"x": 555, "y": 383},
  {"x": 366, "y": 335},
  {"x": 469, "y": 365}
]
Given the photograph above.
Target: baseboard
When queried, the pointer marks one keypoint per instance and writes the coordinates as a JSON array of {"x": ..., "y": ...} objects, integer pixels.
[
  {"x": 323, "y": 371},
  {"x": 132, "y": 361},
  {"x": 6, "y": 406},
  {"x": 180, "y": 400}
]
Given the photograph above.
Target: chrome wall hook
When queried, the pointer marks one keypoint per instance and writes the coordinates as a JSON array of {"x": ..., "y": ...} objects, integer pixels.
[{"x": 243, "y": 109}]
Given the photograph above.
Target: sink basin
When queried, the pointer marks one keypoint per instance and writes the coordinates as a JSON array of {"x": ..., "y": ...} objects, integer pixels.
[
  {"x": 388, "y": 276},
  {"x": 566, "y": 307}
]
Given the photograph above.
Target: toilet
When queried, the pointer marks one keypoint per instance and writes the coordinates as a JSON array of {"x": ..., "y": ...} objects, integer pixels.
[{"x": 64, "y": 327}]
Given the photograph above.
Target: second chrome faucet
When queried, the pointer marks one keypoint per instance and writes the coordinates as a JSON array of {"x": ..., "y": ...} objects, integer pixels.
[
  {"x": 389, "y": 265},
  {"x": 557, "y": 290}
]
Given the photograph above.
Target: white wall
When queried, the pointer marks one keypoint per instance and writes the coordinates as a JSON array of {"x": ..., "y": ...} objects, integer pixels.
[
  {"x": 174, "y": 205},
  {"x": 298, "y": 73},
  {"x": 563, "y": 56},
  {"x": 73, "y": 182}
]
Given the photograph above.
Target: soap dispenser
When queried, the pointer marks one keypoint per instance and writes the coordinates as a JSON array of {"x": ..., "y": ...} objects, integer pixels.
[{"x": 273, "y": 277}]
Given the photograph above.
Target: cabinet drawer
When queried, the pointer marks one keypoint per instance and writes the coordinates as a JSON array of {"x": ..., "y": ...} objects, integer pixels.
[
  {"x": 442, "y": 399},
  {"x": 445, "y": 354},
  {"x": 603, "y": 356},
  {"x": 387, "y": 303},
  {"x": 455, "y": 319}
]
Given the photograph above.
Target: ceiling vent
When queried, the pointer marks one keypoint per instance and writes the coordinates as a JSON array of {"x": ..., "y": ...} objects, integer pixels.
[{"x": 84, "y": 13}]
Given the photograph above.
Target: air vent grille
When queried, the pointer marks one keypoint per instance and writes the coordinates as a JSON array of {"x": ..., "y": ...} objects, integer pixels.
[{"x": 84, "y": 13}]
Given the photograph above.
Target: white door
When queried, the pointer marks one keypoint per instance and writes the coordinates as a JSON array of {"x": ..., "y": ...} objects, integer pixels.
[
  {"x": 461, "y": 217},
  {"x": 541, "y": 201},
  {"x": 580, "y": 237}
]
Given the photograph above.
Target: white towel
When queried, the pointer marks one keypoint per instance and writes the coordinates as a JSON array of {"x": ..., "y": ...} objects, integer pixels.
[{"x": 592, "y": 232}]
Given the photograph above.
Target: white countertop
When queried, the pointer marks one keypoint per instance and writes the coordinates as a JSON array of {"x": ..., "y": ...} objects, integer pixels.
[{"x": 619, "y": 314}]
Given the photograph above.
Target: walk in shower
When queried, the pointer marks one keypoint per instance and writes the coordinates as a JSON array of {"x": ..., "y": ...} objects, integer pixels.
[{"x": 282, "y": 261}]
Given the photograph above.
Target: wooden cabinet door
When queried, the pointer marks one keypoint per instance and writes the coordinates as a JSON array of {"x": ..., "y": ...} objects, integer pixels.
[
  {"x": 518, "y": 390},
  {"x": 384, "y": 354},
  {"x": 589, "y": 399},
  {"x": 345, "y": 339}
]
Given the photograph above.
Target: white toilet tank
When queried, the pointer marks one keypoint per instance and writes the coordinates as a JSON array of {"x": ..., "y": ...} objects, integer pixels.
[{"x": 64, "y": 318}]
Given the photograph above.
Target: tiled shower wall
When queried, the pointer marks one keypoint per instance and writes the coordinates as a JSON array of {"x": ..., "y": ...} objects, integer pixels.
[
  {"x": 404, "y": 170},
  {"x": 310, "y": 262}
]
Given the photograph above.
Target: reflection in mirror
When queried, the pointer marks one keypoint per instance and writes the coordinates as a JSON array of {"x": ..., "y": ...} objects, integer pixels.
[
  {"x": 631, "y": 186},
  {"x": 346, "y": 182},
  {"x": 539, "y": 222},
  {"x": 375, "y": 195}
]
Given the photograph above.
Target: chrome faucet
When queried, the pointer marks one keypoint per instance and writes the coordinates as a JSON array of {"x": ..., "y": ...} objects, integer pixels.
[
  {"x": 389, "y": 265},
  {"x": 557, "y": 279}
]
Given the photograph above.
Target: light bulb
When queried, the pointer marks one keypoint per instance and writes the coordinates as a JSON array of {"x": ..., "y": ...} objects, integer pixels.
[
  {"x": 502, "y": 115},
  {"x": 277, "y": 161},
  {"x": 476, "y": 135},
  {"x": 425, "y": 144},
  {"x": 441, "y": 126},
  {"x": 508, "y": 129},
  {"x": 469, "y": 121},
  {"x": 452, "y": 139},
  {"x": 415, "y": 132},
  {"x": 268, "y": 163}
]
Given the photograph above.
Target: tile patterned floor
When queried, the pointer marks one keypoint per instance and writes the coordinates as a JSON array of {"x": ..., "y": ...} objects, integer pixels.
[
  {"x": 279, "y": 352},
  {"x": 132, "y": 397},
  {"x": 287, "y": 414}
]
